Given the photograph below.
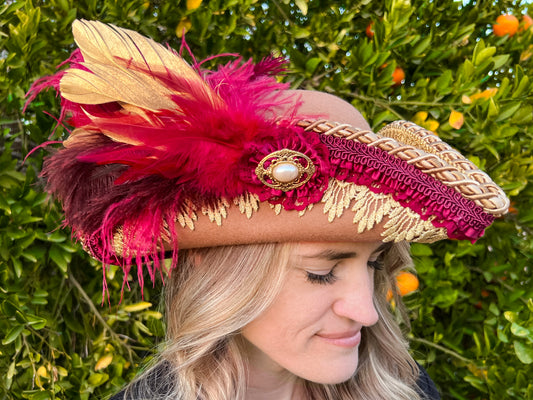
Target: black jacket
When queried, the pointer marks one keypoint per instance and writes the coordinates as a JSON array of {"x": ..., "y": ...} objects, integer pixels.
[{"x": 426, "y": 387}]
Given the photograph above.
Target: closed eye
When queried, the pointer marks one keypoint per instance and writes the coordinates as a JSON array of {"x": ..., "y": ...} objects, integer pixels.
[{"x": 320, "y": 279}]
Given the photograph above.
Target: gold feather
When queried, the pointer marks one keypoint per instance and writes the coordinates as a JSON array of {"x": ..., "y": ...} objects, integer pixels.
[
  {"x": 106, "y": 84},
  {"x": 110, "y": 53}
]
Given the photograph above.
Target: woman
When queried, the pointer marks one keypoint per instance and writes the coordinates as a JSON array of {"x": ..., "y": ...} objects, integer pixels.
[
  {"x": 297, "y": 326},
  {"x": 290, "y": 227}
]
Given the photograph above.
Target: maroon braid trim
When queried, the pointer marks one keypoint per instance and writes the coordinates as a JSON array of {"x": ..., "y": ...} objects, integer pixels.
[{"x": 384, "y": 173}]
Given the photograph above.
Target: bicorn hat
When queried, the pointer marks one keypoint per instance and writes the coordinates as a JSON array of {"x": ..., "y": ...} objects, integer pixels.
[{"x": 165, "y": 156}]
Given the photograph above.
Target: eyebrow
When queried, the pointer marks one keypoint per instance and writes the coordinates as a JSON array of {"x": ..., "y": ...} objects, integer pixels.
[{"x": 333, "y": 255}]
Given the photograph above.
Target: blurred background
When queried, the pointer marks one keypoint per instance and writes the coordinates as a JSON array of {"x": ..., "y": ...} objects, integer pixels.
[{"x": 462, "y": 69}]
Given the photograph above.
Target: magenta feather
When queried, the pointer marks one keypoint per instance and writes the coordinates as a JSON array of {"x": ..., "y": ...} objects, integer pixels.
[{"x": 130, "y": 168}]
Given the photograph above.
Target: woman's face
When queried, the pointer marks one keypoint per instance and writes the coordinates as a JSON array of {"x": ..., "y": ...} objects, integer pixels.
[{"x": 313, "y": 328}]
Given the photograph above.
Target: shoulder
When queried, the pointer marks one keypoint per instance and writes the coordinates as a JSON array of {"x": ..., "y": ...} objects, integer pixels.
[
  {"x": 427, "y": 388},
  {"x": 118, "y": 396},
  {"x": 155, "y": 383}
]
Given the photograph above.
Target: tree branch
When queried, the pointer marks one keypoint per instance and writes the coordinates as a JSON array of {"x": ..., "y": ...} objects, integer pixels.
[{"x": 443, "y": 349}]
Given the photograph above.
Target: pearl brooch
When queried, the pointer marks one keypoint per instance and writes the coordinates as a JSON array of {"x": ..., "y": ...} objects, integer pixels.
[{"x": 285, "y": 169}]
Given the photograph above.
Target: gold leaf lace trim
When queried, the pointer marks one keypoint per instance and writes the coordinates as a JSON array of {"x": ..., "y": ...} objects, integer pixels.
[
  {"x": 217, "y": 211},
  {"x": 370, "y": 208},
  {"x": 248, "y": 203},
  {"x": 337, "y": 198},
  {"x": 187, "y": 215}
]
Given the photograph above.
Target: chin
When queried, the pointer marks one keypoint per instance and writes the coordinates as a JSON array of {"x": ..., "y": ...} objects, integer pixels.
[
  {"x": 334, "y": 380},
  {"x": 332, "y": 376}
]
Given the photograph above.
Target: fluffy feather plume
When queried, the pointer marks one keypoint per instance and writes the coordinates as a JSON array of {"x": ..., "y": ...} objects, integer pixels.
[{"x": 151, "y": 131}]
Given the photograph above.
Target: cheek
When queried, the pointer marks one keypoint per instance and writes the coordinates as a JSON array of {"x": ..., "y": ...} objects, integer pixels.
[
  {"x": 284, "y": 335},
  {"x": 294, "y": 316},
  {"x": 284, "y": 339}
]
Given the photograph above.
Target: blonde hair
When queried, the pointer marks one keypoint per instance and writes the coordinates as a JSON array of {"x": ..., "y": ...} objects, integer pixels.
[{"x": 215, "y": 292}]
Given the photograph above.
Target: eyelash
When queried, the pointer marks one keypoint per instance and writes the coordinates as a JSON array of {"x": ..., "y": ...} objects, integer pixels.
[
  {"x": 376, "y": 264},
  {"x": 330, "y": 277},
  {"x": 322, "y": 279}
]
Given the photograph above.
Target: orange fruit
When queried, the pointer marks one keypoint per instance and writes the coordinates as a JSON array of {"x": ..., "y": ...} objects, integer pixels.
[
  {"x": 406, "y": 283},
  {"x": 398, "y": 75},
  {"x": 369, "y": 30},
  {"x": 506, "y": 24},
  {"x": 526, "y": 23}
]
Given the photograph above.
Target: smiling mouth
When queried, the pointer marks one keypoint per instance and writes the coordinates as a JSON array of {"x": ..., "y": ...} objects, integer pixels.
[{"x": 342, "y": 339}]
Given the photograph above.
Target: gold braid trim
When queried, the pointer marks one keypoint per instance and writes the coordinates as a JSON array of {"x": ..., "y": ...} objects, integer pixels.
[
  {"x": 421, "y": 138},
  {"x": 421, "y": 148}
]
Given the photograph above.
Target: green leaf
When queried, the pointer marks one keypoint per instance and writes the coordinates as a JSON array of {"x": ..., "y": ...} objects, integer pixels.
[
  {"x": 501, "y": 335},
  {"x": 493, "y": 109},
  {"x": 300, "y": 33},
  {"x": 511, "y": 316},
  {"x": 143, "y": 305},
  {"x": 421, "y": 46},
  {"x": 484, "y": 55},
  {"x": 421, "y": 250},
  {"x": 499, "y": 61},
  {"x": 98, "y": 379},
  {"x": 508, "y": 111},
  {"x": 39, "y": 395},
  {"x": 12, "y": 334},
  {"x": 519, "y": 330},
  {"x": 17, "y": 266},
  {"x": 57, "y": 255},
  {"x": 523, "y": 352},
  {"x": 493, "y": 308},
  {"x": 522, "y": 88},
  {"x": 312, "y": 64},
  {"x": 73, "y": 324},
  {"x": 142, "y": 327}
]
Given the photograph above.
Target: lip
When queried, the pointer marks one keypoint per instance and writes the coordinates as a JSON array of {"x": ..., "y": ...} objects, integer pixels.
[{"x": 342, "y": 339}]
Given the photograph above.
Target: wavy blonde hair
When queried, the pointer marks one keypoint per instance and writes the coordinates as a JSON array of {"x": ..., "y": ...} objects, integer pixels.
[{"x": 215, "y": 292}]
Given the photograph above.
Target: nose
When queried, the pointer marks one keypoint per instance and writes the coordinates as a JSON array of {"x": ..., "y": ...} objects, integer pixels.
[{"x": 355, "y": 298}]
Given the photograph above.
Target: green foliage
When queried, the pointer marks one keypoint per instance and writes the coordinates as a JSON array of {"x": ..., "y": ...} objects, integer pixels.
[{"x": 473, "y": 315}]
